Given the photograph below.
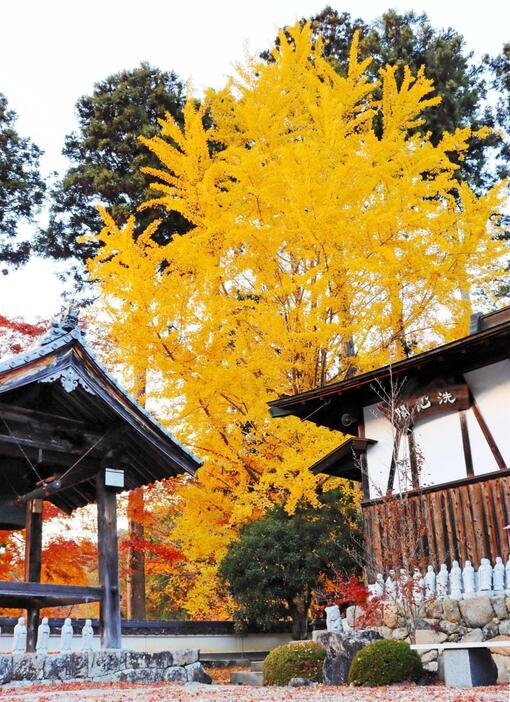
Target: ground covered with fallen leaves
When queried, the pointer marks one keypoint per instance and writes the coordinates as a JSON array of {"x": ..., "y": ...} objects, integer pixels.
[{"x": 175, "y": 692}]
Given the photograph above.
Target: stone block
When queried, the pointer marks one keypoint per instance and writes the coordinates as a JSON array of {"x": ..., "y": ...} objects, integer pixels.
[
  {"x": 431, "y": 666},
  {"x": 67, "y": 666},
  {"x": 400, "y": 634},
  {"x": 132, "y": 660},
  {"x": 499, "y": 606},
  {"x": 433, "y": 609},
  {"x": 503, "y": 667},
  {"x": 469, "y": 667},
  {"x": 504, "y": 628},
  {"x": 5, "y": 669},
  {"x": 490, "y": 630},
  {"x": 448, "y": 627},
  {"x": 425, "y": 636},
  {"x": 501, "y": 651},
  {"x": 428, "y": 656},
  {"x": 175, "y": 674},
  {"x": 352, "y": 615},
  {"x": 474, "y": 635},
  {"x": 196, "y": 673},
  {"x": 145, "y": 675},
  {"x": 163, "y": 659},
  {"x": 340, "y": 650},
  {"x": 107, "y": 662},
  {"x": 385, "y": 632},
  {"x": 185, "y": 656},
  {"x": 27, "y": 667},
  {"x": 477, "y": 612},
  {"x": 451, "y": 611}
]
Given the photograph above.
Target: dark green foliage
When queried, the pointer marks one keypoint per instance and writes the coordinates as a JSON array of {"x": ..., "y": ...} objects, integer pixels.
[
  {"x": 385, "y": 662},
  {"x": 106, "y": 156},
  {"x": 300, "y": 659},
  {"x": 21, "y": 186},
  {"x": 410, "y": 39},
  {"x": 274, "y": 565}
]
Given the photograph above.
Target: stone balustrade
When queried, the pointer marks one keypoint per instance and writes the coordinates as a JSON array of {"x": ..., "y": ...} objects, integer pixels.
[{"x": 457, "y": 583}]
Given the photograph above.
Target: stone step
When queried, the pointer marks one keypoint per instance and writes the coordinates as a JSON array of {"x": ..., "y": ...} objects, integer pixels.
[
  {"x": 253, "y": 678},
  {"x": 257, "y": 666}
]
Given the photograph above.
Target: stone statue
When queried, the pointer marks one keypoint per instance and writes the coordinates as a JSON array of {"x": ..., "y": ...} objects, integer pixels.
[
  {"x": 418, "y": 585},
  {"x": 378, "y": 590},
  {"x": 499, "y": 576},
  {"x": 66, "y": 636},
  {"x": 87, "y": 636},
  {"x": 391, "y": 586},
  {"x": 507, "y": 574},
  {"x": 333, "y": 619},
  {"x": 43, "y": 637},
  {"x": 19, "y": 641},
  {"x": 468, "y": 580},
  {"x": 456, "y": 581},
  {"x": 485, "y": 577},
  {"x": 430, "y": 583},
  {"x": 442, "y": 581}
]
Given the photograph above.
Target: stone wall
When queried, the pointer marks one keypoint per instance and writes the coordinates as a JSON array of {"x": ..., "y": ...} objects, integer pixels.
[
  {"x": 104, "y": 666},
  {"x": 440, "y": 620}
]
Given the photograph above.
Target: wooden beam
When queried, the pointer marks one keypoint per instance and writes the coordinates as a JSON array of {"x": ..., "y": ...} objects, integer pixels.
[
  {"x": 33, "y": 549},
  {"x": 466, "y": 444},
  {"x": 20, "y": 595},
  {"x": 64, "y": 481},
  {"x": 488, "y": 437},
  {"x": 108, "y": 562}
]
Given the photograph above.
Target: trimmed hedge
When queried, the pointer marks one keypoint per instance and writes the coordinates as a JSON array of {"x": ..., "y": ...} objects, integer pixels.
[
  {"x": 385, "y": 662},
  {"x": 299, "y": 659}
]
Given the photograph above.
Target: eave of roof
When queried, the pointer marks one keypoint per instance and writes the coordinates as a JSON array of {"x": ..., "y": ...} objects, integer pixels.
[
  {"x": 284, "y": 405},
  {"x": 341, "y": 461},
  {"x": 75, "y": 339}
]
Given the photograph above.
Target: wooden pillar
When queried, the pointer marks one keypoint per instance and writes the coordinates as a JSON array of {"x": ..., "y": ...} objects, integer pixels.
[
  {"x": 136, "y": 557},
  {"x": 33, "y": 549},
  {"x": 108, "y": 562}
]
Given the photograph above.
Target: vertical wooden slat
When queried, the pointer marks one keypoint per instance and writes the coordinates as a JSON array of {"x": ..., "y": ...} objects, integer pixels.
[
  {"x": 33, "y": 552},
  {"x": 438, "y": 526},
  {"x": 472, "y": 553},
  {"x": 475, "y": 494}
]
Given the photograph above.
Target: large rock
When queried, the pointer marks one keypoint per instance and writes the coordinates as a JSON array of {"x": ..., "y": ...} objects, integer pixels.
[
  {"x": 448, "y": 627},
  {"x": 5, "y": 669},
  {"x": 196, "y": 673},
  {"x": 477, "y": 612},
  {"x": 145, "y": 675},
  {"x": 499, "y": 606},
  {"x": 107, "y": 662},
  {"x": 451, "y": 611},
  {"x": 340, "y": 650},
  {"x": 390, "y": 616},
  {"x": 428, "y": 636},
  {"x": 475, "y": 635},
  {"x": 504, "y": 628},
  {"x": 175, "y": 674}
]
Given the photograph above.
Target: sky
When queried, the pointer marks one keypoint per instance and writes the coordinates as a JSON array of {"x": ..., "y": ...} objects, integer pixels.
[{"x": 52, "y": 52}]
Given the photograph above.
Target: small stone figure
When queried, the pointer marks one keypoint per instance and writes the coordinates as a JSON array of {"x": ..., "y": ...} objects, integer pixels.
[
  {"x": 507, "y": 574},
  {"x": 442, "y": 582},
  {"x": 485, "y": 577},
  {"x": 456, "y": 581},
  {"x": 430, "y": 583},
  {"x": 418, "y": 586},
  {"x": 19, "y": 641},
  {"x": 468, "y": 580},
  {"x": 333, "y": 619},
  {"x": 379, "y": 585},
  {"x": 391, "y": 586},
  {"x": 499, "y": 576},
  {"x": 87, "y": 636},
  {"x": 66, "y": 636},
  {"x": 43, "y": 637}
]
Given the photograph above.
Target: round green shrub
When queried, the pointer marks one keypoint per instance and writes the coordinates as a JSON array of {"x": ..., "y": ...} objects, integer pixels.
[
  {"x": 385, "y": 662},
  {"x": 299, "y": 659}
]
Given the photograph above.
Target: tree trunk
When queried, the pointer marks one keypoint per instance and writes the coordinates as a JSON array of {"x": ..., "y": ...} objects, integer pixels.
[
  {"x": 136, "y": 557},
  {"x": 299, "y": 613}
]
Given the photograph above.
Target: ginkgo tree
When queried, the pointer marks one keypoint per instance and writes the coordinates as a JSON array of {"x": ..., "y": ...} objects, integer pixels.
[{"x": 319, "y": 245}]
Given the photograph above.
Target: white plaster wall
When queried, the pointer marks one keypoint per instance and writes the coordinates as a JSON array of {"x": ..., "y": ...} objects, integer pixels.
[
  {"x": 378, "y": 455},
  {"x": 483, "y": 460},
  {"x": 439, "y": 439},
  {"x": 490, "y": 386}
]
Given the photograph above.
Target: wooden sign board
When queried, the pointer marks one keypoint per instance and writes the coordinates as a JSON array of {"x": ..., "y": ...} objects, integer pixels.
[{"x": 436, "y": 398}]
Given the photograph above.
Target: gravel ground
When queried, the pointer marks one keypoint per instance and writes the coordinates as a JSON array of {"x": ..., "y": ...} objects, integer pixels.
[{"x": 171, "y": 692}]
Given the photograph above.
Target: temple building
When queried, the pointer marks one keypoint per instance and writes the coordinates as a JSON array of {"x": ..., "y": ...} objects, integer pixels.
[
  {"x": 70, "y": 435},
  {"x": 435, "y": 427}
]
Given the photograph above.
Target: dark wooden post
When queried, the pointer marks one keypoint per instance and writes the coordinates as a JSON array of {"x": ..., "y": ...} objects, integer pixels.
[
  {"x": 33, "y": 548},
  {"x": 136, "y": 557},
  {"x": 108, "y": 562}
]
